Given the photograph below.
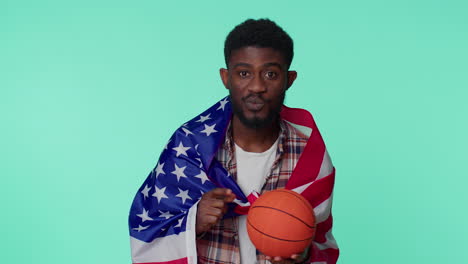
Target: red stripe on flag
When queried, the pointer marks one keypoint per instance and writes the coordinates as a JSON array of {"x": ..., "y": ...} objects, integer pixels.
[
  {"x": 306, "y": 171},
  {"x": 177, "y": 261},
  {"x": 329, "y": 255},
  {"x": 332, "y": 254},
  {"x": 320, "y": 190},
  {"x": 322, "y": 229},
  {"x": 297, "y": 116},
  {"x": 308, "y": 165}
]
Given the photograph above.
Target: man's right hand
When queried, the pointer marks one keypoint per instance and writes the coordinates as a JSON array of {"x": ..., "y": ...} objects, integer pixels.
[{"x": 212, "y": 207}]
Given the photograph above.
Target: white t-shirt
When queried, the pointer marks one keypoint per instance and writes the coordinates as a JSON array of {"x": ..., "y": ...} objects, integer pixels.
[{"x": 252, "y": 170}]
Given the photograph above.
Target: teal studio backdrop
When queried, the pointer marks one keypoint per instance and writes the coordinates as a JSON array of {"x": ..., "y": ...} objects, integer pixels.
[{"x": 90, "y": 91}]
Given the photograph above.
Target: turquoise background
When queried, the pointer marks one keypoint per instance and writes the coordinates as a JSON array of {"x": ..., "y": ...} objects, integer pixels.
[{"x": 90, "y": 91}]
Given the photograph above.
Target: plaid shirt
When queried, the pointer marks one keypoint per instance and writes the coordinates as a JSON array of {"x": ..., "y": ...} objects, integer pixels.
[{"x": 221, "y": 243}]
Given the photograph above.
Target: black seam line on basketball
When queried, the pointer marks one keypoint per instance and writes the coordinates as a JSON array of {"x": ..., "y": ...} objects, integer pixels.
[
  {"x": 261, "y": 206},
  {"x": 282, "y": 239},
  {"x": 307, "y": 204}
]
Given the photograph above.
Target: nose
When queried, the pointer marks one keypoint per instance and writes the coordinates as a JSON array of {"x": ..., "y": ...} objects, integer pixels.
[{"x": 257, "y": 85}]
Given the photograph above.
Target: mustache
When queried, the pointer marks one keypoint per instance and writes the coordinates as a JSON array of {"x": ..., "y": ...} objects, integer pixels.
[{"x": 254, "y": 98}]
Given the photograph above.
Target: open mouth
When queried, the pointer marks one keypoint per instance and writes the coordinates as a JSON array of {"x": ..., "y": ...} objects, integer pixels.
[{"x": 254, "y": 103}]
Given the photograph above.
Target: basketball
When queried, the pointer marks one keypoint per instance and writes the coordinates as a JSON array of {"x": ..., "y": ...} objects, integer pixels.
[{"x": 281, "y": 223}]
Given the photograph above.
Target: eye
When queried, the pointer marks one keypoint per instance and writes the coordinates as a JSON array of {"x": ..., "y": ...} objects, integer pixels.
[
  {"x": 244, "y": 74},
  {"x": 271, "y": 75}
]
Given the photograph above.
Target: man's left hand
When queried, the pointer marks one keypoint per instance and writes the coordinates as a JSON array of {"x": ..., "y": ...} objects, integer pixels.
[{"x": 295, "y": 258}]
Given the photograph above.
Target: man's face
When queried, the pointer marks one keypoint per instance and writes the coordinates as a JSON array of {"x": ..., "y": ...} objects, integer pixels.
[{"x": 257, "y": 79}]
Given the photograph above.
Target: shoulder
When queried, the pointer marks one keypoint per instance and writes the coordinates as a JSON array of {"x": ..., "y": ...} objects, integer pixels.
[
  {"x": 293, "y": 138},
  {"x": 294, "y": 131}
]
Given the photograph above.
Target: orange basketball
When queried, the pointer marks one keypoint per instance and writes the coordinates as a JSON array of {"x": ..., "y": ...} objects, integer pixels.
[{"x": 281, "y": 223}]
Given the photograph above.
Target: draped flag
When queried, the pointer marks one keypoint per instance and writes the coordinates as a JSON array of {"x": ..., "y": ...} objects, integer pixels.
[{"x": 163, "y": 213}]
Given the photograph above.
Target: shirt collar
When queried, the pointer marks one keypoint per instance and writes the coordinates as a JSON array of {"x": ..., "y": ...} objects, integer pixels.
[{"x": 228, "y": 144}]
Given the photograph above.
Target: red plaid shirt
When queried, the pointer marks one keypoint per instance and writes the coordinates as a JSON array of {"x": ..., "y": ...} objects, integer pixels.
[{"x": 221, "y": 243}]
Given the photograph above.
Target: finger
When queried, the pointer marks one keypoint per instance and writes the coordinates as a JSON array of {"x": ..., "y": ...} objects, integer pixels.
[
  {"x": 277, "y": 258},
  {"x": 218, "y": 193},
  {"x": 212, "y": 202},
  {"x": 210, "y": 220},
  {"x": 225, "y": 209},
  {"x": 295, "y": 256},
  {"x": 216, "y": 203},
  {"x": 205, "y": 223},
  {"x": 229, "y": 198},
  {"x": 213, "y": 211}
]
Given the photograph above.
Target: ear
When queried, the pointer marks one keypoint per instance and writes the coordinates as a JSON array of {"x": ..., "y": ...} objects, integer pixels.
[
  {"x": 291, "y": 78},
  {"x": 224, "y": 73}
]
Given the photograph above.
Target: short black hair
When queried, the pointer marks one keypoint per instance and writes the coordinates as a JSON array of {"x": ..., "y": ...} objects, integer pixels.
[{"x": 262, "y": 33}]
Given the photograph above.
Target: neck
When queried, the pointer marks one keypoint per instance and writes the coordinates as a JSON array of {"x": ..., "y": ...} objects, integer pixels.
[{"x": 254, "y": 139}]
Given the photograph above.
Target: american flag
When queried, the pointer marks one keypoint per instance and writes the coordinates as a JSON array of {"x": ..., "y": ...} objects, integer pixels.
[{"x": 163, "y": 213}]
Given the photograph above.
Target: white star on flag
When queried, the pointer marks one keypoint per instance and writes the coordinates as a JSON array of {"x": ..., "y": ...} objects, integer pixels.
[
  {"x": 145, "y": 191},
  {"x": 180, "y": 222},
  {"x": 223, "y": 103},
  {"x": 179, "y": 172},
  {"x": 202, "y": 176},
  {"x": 159, "y": 169},
  {"x": 181, "y": 150},
  {"x": 166, "y": 215},
  {"x": 209, "y": 129},
  {"x": 160, "y": 193},
  {"x": 140, "y": 228},
  {"x": 203, "y": 118},
  {"x": 144, "y": 216},
  {"x": 187, "y": 132},
  {"x": 184, "y": 195},
  {"x": 196, "y": 149}
]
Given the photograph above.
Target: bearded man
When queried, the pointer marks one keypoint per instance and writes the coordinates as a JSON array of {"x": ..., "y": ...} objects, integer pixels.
[{"x": 192, "y": 207}]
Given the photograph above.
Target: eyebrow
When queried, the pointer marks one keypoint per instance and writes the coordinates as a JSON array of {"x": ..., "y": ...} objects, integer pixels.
[
  {"x": 241, "y": 64},
  {"x": 273, "y": 64},
  {"x": 269, "y": 64}
]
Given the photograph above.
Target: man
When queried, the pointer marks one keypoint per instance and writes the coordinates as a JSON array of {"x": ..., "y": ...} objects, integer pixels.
[{"x": 218, "y": 160}]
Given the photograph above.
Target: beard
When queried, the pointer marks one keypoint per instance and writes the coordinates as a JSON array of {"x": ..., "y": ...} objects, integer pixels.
[{"x": 257, "y": 122}]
